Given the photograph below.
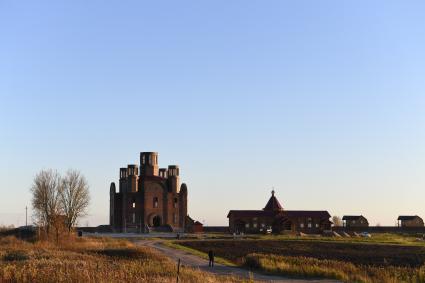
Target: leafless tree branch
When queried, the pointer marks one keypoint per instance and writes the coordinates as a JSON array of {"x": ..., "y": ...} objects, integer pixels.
[
  {"x": 45, "y": 201},
  {"x": 74, "y": 197}
]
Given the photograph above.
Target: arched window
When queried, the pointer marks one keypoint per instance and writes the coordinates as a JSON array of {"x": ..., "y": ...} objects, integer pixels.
[
  {"x": 155, "y": 202},
  {"x": 176, "y": 201}
]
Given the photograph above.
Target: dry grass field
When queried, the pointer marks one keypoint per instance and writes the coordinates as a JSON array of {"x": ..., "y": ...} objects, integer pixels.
[
  {"x": 355, "y": 260},
  {"x": 90, "y": 260}
]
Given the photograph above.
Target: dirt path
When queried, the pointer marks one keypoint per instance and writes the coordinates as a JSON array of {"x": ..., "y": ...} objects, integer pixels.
[{"x": 194, "y": 261}]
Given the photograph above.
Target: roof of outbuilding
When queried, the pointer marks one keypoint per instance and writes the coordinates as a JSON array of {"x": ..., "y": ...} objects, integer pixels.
[
  {"x": 352, "y": 217},
  {"x": 189, "y": 219},
  {"x": 407, "y": 217}
]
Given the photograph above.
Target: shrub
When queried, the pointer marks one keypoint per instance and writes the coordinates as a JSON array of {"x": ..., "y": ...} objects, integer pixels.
[
  {"x": 252, "y": 261},
  {"x": 15, "y": 256},
  {"x": 126, "y": 253}
]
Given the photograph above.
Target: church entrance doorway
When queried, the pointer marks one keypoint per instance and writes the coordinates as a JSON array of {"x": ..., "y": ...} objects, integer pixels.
[{"x": 156, "y": 221}]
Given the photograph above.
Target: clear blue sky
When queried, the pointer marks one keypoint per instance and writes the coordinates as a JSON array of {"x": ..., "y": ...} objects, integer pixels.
[{"x": 324, "y": 100}]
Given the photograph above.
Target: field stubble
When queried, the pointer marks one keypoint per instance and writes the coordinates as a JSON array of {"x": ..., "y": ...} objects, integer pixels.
[
  {"x": 349, "y": 261},
  {"x": 90, "y": 260}
]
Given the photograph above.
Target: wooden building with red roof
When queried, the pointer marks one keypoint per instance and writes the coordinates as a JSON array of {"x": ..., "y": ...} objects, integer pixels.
[{"x": 279, "y": 220}]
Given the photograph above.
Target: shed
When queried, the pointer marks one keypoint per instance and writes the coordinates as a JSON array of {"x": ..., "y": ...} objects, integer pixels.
[
  {"x": 355, "y": 221},
  {"x": 410, "y": 221},
  {"x": 197, "y": 227}
]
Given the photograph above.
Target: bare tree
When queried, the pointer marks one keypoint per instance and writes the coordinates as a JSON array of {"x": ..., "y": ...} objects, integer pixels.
[
  {"x": 74, "y": 197},
  {"x": 45, "y": 197},
  {"x": 337, "y": 221}
]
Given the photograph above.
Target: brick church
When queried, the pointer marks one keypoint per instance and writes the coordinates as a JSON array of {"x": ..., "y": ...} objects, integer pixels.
[{"x": 149, "y": 198}]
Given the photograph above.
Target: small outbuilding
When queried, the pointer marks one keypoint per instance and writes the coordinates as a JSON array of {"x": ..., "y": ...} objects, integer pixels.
[
  {"x": 410, "y": 221},
  {"x": 193, "y": 226},
  {"x": 355, "y": 221},
  {"x": 197, "y": 227}
]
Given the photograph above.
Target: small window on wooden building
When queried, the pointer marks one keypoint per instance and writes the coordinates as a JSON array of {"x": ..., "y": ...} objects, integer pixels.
[
  {"x": 155, "y": 202},
  {"x": 175, "y": 202}
]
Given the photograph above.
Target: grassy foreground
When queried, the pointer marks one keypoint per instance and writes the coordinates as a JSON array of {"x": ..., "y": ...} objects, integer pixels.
[
  {"x": 90, "y": 260},
  {"x": 332, "y": 269},
  {"x": 378, "y": 238},
  {"x": 349, "y": 260}
]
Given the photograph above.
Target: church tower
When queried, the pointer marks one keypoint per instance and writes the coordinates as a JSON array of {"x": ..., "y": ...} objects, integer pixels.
[
  {"x": 149, "y": 198},
  {"x": 149, "y": 164}
]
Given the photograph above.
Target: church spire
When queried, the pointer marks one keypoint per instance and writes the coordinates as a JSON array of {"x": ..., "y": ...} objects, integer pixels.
[{"x": 273, "y": 204}]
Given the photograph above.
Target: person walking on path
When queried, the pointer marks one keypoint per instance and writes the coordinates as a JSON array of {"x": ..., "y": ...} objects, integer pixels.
[{"x": 211, "y": 257}]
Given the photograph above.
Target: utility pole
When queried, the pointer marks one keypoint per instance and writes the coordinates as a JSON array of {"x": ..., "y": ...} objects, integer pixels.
[{"x": 26, "y": 216}]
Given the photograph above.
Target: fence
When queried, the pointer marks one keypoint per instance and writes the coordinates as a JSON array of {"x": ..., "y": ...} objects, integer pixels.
[{"x": 216, "y": 229}]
